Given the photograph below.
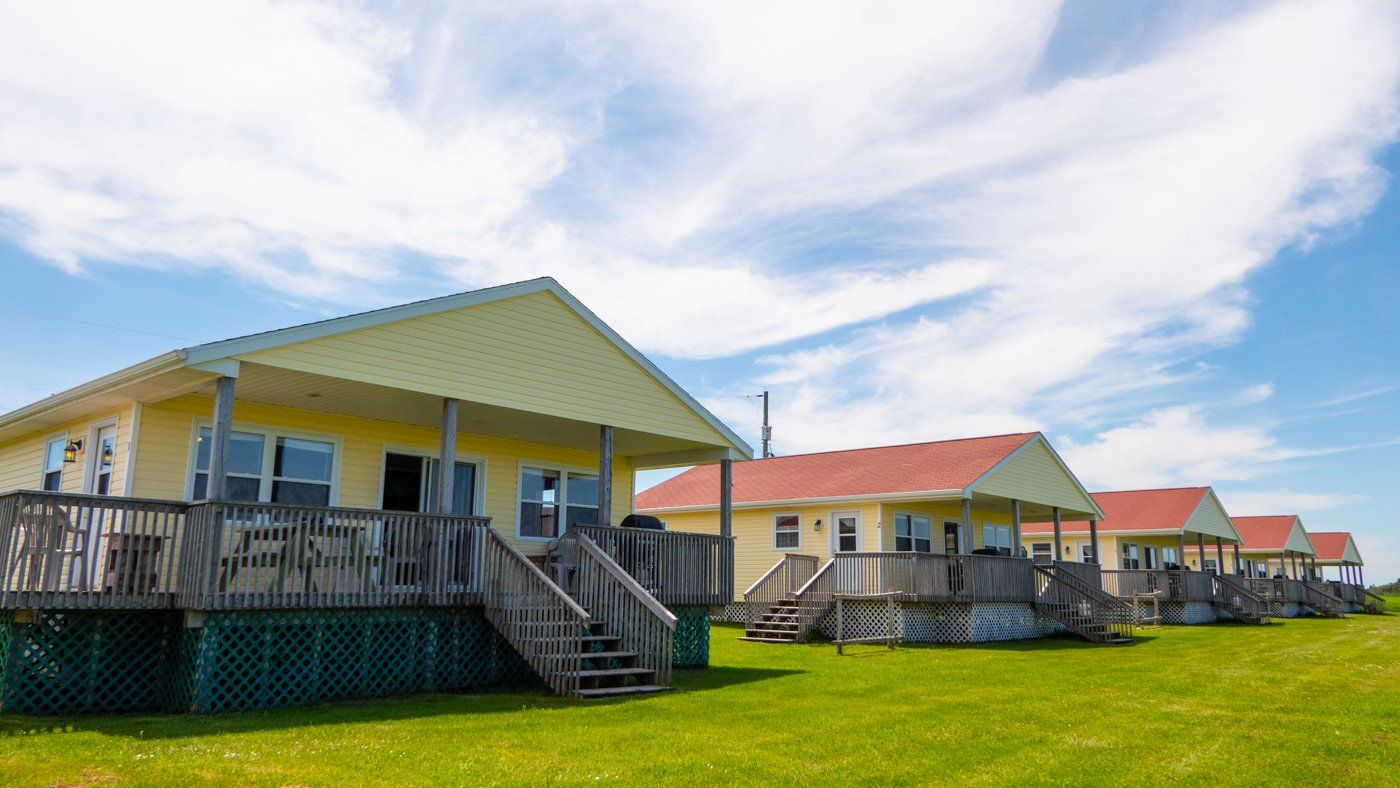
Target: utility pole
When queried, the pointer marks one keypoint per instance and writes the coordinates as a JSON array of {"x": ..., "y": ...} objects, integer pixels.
[{"x": 767, "y": 430}]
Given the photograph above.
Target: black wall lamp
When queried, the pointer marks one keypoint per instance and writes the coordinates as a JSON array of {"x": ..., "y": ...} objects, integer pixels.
[{"x": 70, "y": 452}]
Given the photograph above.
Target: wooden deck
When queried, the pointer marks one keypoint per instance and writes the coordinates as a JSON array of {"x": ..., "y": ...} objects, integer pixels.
[{"x": 1170, "y": 585}]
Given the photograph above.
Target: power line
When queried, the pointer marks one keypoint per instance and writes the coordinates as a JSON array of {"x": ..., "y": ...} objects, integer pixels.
[{"x": 94, "y": 325}]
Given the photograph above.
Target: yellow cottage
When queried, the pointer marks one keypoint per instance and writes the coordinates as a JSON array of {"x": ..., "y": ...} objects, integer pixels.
[
  {"x": 296, "y": 495},
  {"x": 1274, "y": 553},
  {"x": 917, "y": 540},
  {"x": 1141, "y": 545}
]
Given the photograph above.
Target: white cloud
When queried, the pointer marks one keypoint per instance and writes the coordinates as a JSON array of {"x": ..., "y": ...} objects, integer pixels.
[
  {"x": 1004, "y": 249},
  {"x": 1260, "y": 502}
]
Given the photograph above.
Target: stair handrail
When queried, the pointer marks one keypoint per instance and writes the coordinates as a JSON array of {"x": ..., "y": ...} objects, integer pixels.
[
  {"x": 814, "y": 599},
  {"x": 1251, "y": 604},
  {"x": 1113, "y": 613},
  {"x": 776, "y": 583},
  {"x": 1325, "y": 598},
  {"x": 642, "y": 623},
  {"x": 534, "y": 615}
]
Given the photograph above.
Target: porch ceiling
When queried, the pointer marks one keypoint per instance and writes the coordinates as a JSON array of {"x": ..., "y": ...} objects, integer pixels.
[
  {"x": 1030, "y": 511},
  {"x": 307, "y": 391}
]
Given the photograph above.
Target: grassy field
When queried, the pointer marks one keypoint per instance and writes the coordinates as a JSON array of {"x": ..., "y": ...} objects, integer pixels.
[{"x": 1305, "y": 702}]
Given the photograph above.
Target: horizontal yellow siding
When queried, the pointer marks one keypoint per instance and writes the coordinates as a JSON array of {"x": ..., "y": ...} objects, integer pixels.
[
  {"x": 754, "y": 553},
  {"x": 22, "y": 459},
  {"x": 530, "y": 352},
  {"x": 167, "y": 428},
  {"x": 1035, "y": 475}
]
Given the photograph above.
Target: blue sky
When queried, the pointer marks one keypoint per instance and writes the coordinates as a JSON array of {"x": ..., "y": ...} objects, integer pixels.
[{"x": 1165, "y": 235}]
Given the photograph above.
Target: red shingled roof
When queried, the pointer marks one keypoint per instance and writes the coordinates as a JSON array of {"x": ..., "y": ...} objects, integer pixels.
[
  {"x": 1134, "y": 510},
  {"x": 911, "y": 468},
  {"x": 1268, "y": 532},
  {"x": 1330, "y": 545}
]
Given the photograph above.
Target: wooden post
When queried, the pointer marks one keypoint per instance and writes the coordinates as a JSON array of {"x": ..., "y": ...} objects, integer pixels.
[
  {"x": 1239, "y": 565},
  {"x": 1283, "y": 564},
  {"x": 1015, "y": 529},
  {"x": 966, "y": 526},
  {"x": 447, "y": 457},
  {"x": 1219, "y": 556},
  {"x": 605, "y": 480},
  {"x": 1201, "y": 549},
  {"x": 1059, "y": 548},
  {"x": 1360, "y": 576},
  {"x": 219, "y": 437},
  {"x": 726, "y": 497},
  {"x": 1094, "y": 541},
  {"x": 1181, "y": 550},
  {"x": 1293, "y": 560}
]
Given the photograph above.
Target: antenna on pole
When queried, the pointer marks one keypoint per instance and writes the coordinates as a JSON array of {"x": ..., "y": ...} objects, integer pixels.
[{"x": 767, "y": 430}]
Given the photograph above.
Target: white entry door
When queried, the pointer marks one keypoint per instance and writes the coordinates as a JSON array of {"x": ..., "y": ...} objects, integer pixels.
[
  {"x": 97, "y": 525},
  {"x": 845, "y": 532}
]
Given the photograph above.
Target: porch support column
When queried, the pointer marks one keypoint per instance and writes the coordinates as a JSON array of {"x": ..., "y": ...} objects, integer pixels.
[
  {"x": 447, "y": 456},
  {"x": 1015, "y": 529},
  {"x": 1059, "y": 549},
  {"x": 966, "y": 540},
  {"x": 1094, "y": 541},
  {"x": 1239, "y": 565},
  {"x": 219, "y": 438},
  {"x": 1219, "y": 556},
  {"x": 726, "y": 497},
  {"x": 1201, "y": 549},
  {"x": 1294, "y": 562},
  {"x": 1181, "y": 551},
  {"x": 1283, "y": 564},
  {"x": 605, "y": 468},
  {"x": 1360, "y": 576}
]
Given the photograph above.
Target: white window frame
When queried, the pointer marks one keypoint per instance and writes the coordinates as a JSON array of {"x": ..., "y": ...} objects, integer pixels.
[
  {"x": 774, "y": 540},
  {"x": 1173, "y": 559},
  {"x": 1086, "y": 552},
  {"x": 932, "y": 533},
  {"x": 478, "y": 494},
  {"x": 1150, "y": 556},
  {"x": 998, "y": 528},
  {"x": 1122, "y": 555},
  {"x": 60, "y": 438},
  {"x": 270, "y": 436},
  {"x": 92, "y": 460},
  {"x": 563, "y": 471}
]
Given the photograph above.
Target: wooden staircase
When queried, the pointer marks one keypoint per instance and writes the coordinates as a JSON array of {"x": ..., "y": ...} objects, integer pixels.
[
  {"x": 779, "y": 624},
  {"x": 1091, "y": 613},
  {"x": 1242, "y": 603},
  {"x": 1323, "y": 602},
  {"x": 1372, "y": 602},
  {"x": 576, "y": 654}
]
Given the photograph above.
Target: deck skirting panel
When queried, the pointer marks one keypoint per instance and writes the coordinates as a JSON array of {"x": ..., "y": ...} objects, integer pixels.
[
  {"x": 943, "y": 622},
  {"x": 77, "y": 662},
  {"x": 692, "y": 644}
]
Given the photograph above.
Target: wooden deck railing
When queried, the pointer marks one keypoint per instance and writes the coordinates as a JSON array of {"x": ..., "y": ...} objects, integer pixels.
[
  {"x": 612, "y": 596},
  {"x": 1001, "y": 578},
  {"x": 780, "y": 582},
  {"x": 814, "y": 600},
  {"x": 676, "y": 567},
  {"x": 88, "y": 551},
  {"x": 534, "y": 615},
  {"x": 1171, "y": 585},
  {"x": 1238, "y": 598}
]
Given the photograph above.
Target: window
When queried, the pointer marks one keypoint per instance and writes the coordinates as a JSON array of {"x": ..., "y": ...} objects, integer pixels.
[
  {"x": 1130, "y": 559},
  {"x": 1043, "y": 552},
  {"x": 787, "y": 532},
  {"x": 997, "y": 537},
  {"x": 913, "y": 533},
  {"x": 1086, "y": 553},
  {"x": 53, "y": 464},
  {"x": 1170, "y": 559},
  {"x": 410, "y": 483},
  {"x": 268, "y": 467},
  {"x": 552, "y": 500},
  {"x": 1149, "y": 558},
  {"x": 1209, "y": 566}
]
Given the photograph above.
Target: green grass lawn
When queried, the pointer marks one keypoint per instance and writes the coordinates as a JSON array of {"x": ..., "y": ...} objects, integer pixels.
[{"x": 1306, "y": 701}]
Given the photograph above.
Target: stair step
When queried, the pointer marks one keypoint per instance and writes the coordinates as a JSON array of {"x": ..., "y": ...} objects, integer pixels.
[
  {"x": 633, "y": 689},
  {"x": 788, "y": 632},
  {"x": 595, "y": 655},
  {"x": 752, "y": 639},
  {"x": 591, "y": 673}
]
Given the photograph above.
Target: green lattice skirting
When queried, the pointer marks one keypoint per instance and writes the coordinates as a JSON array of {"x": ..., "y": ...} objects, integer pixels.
[
  {"x": 692, "y": 648},
  {"x": 65, "y": 663}
]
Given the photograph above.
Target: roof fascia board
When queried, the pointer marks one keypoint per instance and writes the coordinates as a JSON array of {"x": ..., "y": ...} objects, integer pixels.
[{"x": 132, "y": 374}]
